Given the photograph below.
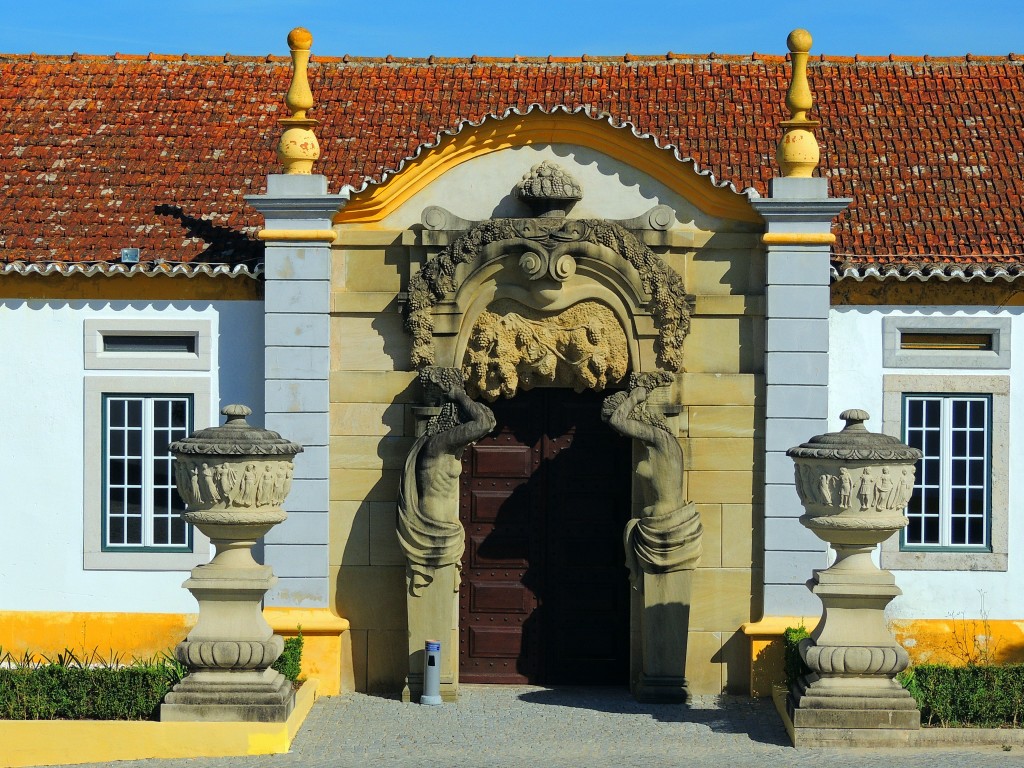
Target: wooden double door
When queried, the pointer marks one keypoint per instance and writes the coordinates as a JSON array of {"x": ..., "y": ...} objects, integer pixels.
[{"x": 544, "y": 500}]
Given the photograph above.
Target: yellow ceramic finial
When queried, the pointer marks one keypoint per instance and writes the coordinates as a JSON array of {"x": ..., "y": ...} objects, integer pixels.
[
  {"x": 798, "y": 152},
  {"x": 298, "y": 148}
]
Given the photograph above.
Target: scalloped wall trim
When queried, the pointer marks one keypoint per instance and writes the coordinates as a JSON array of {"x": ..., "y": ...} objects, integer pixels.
[{"x": 378, "y": 197}]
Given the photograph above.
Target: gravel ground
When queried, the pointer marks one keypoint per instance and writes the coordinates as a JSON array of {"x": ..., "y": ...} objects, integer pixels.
[{"x": 528, "y": 726}]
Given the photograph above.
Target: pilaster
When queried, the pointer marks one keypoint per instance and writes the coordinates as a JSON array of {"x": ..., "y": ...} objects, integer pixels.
[
  {"x": 798, "y": 216},
  {"x": 298, "y": 214}
]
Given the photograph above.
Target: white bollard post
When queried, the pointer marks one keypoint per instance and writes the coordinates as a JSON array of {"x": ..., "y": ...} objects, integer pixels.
[{"x": 431, "y": 673}]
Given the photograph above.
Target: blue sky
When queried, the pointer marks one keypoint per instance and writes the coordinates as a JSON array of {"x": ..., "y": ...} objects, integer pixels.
[{"x": 524, "y": 27}]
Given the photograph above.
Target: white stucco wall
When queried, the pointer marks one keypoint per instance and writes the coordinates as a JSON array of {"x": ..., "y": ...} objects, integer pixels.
[
  {"x": 42, "y": 448},
  {"x": 855, "y": 381}
]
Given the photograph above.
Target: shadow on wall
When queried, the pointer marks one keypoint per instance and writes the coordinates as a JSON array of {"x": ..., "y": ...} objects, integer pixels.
[{"x": 369, "y": 589}]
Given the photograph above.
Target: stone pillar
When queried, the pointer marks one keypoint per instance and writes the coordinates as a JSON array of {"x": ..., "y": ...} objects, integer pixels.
[
  {"x": 433, "y": 615},
  {"x": 854, "y": 486},
  {"x": 664, "y": 629},
  {"x": 798, "y": 218},
  {"x": 298, "y": 233},
  {"x": 233, "y": 478}
]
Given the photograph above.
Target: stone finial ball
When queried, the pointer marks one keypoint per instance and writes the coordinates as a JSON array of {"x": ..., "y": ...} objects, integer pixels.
[
  {"x": 799, "y": 41},
  {"x": 300, "y": 39}
]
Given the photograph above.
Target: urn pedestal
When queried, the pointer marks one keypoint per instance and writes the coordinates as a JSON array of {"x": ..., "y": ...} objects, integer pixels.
[
  {"x": 233, "y": 478},
  {"x": 854, "y": 486}
]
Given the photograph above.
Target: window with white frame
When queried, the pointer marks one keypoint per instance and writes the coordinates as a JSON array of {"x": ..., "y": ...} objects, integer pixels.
[
  {"x": 148, "y": 383},
  {"x": 950, "y": 505},
  {"x": 141, "y": 506},
  {"x": 959, "y": 513}
]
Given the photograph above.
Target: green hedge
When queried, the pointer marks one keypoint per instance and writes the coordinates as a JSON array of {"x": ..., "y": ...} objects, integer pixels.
[
  {"x": 795, "y": 667},
  {"x": 93, "y": 688},
  {"x": 989, "y": 696},
  {"x": 55, "y": 691},
  {"x": 289, "y": 663}
]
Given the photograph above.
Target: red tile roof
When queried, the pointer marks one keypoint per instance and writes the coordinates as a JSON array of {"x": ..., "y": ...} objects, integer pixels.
[{"x": 100, "y": 153}]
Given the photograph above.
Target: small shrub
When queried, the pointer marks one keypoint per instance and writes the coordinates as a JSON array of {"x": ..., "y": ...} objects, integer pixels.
[
  {"x": 986, "y": 696},
  {"x": 795, "y": 667},
  {"x": 71, "y": 688},
  {"x": 289, "y": 663}
]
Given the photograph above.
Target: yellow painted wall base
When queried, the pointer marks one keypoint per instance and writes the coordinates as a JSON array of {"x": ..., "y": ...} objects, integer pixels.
[
  {"x": 961, "y": 641},
  {"x": 69, "y": 742},
  {"x": 326, "y": 654},
  {"x": 326, "y": 645},
  {"x": 767, "y": 666},
  {"x": 928, "y": 641},
  {"x": 130, "y": 635}
]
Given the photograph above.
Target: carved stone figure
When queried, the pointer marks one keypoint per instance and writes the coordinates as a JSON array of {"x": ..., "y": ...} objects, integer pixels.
[
  {"x": 208, "y": 485},
  {"x": 845, "y": 488},
  {"x": 884, "y": 499},
  {"x": 667, "y": 535},
  {"x": 825, "y": 489},
  {"x": 428, "y": 506},
  {"x": 228, "y": 479},
  {"x": 866, "y": 491},
  {"x": 197, "y": 497},
  {"x": 513, "y": 347},
  {"x": 247, "y": 489},
  {"x": 905, "y": 488}
]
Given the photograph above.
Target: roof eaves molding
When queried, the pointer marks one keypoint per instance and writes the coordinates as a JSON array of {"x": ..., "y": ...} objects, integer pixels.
[
  {"x": 147, "y": 269},
  {"x": 939, "y": 272}
]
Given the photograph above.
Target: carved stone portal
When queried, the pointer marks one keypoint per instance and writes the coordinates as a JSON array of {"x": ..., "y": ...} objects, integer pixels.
[{"x": 513, "y": 347}]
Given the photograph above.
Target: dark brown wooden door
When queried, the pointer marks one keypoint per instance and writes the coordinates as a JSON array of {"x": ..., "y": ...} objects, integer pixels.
[{"x": 544, "y": 498}]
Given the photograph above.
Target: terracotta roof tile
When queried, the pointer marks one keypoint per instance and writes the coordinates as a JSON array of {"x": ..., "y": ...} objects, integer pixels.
[{"x": 156, "y": 152}]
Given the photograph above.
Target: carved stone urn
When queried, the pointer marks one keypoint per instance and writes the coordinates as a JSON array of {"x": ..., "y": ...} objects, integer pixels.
[
  {"x": 233, "y": 478},
  {"x": 854, "y": 485}
]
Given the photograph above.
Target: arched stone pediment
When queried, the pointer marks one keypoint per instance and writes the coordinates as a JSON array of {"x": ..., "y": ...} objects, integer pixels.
[{"x": 547, "y": 264}]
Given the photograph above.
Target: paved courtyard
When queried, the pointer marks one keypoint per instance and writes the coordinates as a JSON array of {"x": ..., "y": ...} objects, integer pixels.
[{"x": 527, "y": 726}]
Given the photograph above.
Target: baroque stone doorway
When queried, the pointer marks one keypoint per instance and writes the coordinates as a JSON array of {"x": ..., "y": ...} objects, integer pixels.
[{"x": 544, "y": 499}]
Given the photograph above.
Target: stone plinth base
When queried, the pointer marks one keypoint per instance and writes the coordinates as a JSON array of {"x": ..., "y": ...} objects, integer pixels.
[
  {"x": 663, "y": 690},
  {"x": 264, "y": 696},
  {"x": 886, "y": 705},
  {"x": 432, "y": 614},
  {"x": 664, "y": 627}
]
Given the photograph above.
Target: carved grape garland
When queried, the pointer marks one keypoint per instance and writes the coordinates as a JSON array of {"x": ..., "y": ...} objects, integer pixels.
[{"x": 437, "y": 279}]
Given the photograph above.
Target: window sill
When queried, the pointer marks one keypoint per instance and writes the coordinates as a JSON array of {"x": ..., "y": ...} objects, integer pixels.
[
  {"x": 933, "y": 560},
  {"x": 142, "y": 560}
]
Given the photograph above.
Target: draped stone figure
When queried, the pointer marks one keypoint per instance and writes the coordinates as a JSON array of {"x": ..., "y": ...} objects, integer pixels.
[
  {"x": 663, "y": 544},
  {"x": 429, "y": 530},
  {"x": 666, "y": 537}
]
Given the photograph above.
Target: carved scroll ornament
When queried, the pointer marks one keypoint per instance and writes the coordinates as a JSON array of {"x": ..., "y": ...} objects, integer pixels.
[
  {"x": 513, "y": 347},
  {"x": 545, "y": 241}
]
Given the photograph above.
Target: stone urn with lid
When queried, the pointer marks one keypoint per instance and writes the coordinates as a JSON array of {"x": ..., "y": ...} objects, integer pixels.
[
  {"x": 233, "y": 479},
  {"x": 854, "y": 486}
]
